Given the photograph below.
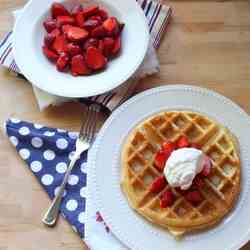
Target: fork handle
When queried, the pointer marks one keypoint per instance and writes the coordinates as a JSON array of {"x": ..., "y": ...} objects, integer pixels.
[{"x": 51, "y": 215}]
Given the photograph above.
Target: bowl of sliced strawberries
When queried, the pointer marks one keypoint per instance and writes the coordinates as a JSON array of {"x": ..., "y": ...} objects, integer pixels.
[{"x": 77, "y": 48}]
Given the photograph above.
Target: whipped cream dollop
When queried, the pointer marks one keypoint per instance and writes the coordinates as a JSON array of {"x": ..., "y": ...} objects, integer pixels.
[{"x": 182, "y": 166}]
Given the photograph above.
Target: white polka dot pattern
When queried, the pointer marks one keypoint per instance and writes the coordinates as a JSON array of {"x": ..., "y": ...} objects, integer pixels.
[
  {"x": 14, "y": 140},
  {"x": 61, "y": 167},
  {"x": 15, "y": 120},
  {"x": 24, "y": 153},
  {"x": 71, "y": 205},
  {"x": 81, "y": 217},
  {"x": 73, "y": 180},
  {"x": 49, "y": 133},
  {"x": 36, "y": 166},
  {"x": 37, "y": 142},
  {"x": 24, "y": 131},
  {"x": 47, "y": 179},
  {"x": 38, "y": 126},
  {"x": 49, "y": 155},
  {"x": 62, "y": 143}
]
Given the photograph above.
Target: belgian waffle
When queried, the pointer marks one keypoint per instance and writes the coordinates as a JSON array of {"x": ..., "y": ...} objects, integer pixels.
[{"x": 221, "y": 189}]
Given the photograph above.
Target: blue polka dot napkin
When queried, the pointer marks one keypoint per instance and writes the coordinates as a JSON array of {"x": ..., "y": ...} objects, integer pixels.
[{"x": 47, "y": 152}]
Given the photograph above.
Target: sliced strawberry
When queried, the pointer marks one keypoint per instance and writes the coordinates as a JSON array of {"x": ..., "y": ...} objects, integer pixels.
[
  {"x": 91, "y": 42},
  {"x": 168, "y": 147},
  {"x": 90, "y": 24},
  {"x": 76, "y": 34},
  {"x": 73, "y": 49},
  {"x": 179, "y": 190},
  {"x": 101, "y": 46},
  {"x": 60, "y": 44},
  {"x": 50, "y": 25},
  {"x": 198, "y": 182},
  {"x": 62, "y": 20},
  {"x": 90, "y": 11},
  {"x": 80, "y": 19},
  {"x": 117, "y": 46},
  {"x": 108, "y": 45},
  {"x": 76, "y": 10},
  {"x": 160, "y": 160},
  {"x": 111, "y": 25},
  {"x": 49, "y": 39},
  {"x": 99, "y": 32},
  {"x": 95, "y": 59},
  {"x": 58, "y": 9},
  {"x": 183, "y": 142},
  {"x": 167, "y": 199},
  {"x": 96, "y": 18},
  {"x": 207, "y": 167},
  {"x": 62, "y": 62},
  {"x": 195, "y": 145},
  {"x": 51, "y": 55},
  {"x": 66, "y": 28},
  {"x": 194, "y": 197},
  {"x": 55, "y": 32},
  {"x": 158, "y": 184},
  {"x": 79, "y": 66},
  {"x": 103, "y": 14}
]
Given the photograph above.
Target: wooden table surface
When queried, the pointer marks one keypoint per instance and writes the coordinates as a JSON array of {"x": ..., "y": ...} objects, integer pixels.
[{"x": 207, "y": 44}]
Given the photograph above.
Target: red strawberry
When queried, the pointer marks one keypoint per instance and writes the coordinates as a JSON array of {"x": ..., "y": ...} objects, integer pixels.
[
  {"x": 79, "y": 19},
  {"x": 117, "y": 46},
  {"x": 168, "y": 147},
  {"x": 58, "y": 9},
  {"x": 98, "y": 32},
  {"x": 95, "y": 59},
  {"x": 50, "y": 25},
  {"x": 60, "y": 44},
  {"x": 108, "y": 45},
  {"x": 183, "y": 142},
  {"x": 111, "y": 25},
  {"x": 62, "y": 20},
  {"x": 55, "y": 32},
  {"x": 73, "y": 49},
  {"x": 195, "y": 145},
  {"x": 167, "y": 199},
  {"x": 66, "y": 28},
  {"x": 78, "y": 66},
  {"x": 62, "y": 62},
  {"x": 51, "y": 55},
  {"x": 207, "y": 166},
  {"x": 76, "y": 34},
  {"x": 76, "y": 10},
  {"x": 103, "y": 14},
  {"x": 194, "y": 197},
  {"x": 101, "y": 46},
  {"x": 91, "y": 42},
  {"x": 90, "y": 24},
  {"x": 179, "y": 190},
  {"x": 90, "y": 11},
  {"x": 96, "y": 18},
  {"x": 198, "y": 182},
  {"x": 49, "y": 39},
  {"x": 160, "y": 160},
  {"x": 158, "y": 184}
]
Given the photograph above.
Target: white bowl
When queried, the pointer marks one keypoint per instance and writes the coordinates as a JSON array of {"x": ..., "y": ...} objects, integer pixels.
[{"x": 28, "y": 40}]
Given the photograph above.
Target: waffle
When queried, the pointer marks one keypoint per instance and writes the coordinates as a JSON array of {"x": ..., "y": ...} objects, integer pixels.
[{"x": 222, "y": 186}]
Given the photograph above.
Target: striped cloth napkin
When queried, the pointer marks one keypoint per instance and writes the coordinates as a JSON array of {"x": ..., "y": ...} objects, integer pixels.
[{"x": 158, "y": 16}]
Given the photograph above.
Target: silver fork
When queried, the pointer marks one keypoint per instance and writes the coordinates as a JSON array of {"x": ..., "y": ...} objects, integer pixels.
[{"x": 83, "y": 143}]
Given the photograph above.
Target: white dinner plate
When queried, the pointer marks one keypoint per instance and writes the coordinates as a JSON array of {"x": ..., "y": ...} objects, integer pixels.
[
  {"x": 28, "y": 41},
  {"x": 105, "y": 170}
]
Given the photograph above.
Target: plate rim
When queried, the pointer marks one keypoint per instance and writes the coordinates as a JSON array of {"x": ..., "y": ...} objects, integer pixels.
[
  {"x": 78, "y": 92},
  {"x": 242, "y": 240}
]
